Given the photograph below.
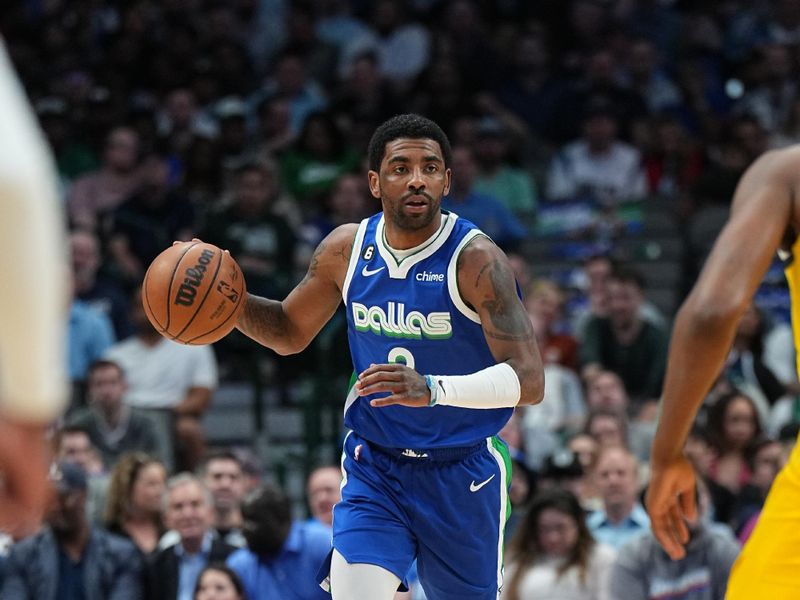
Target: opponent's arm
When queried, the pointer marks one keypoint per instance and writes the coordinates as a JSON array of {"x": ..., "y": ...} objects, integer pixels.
[
  {"x": 706, "y": 323},
  {"x": 288, "y": 327},
  {"x": 704, "y": 330}
]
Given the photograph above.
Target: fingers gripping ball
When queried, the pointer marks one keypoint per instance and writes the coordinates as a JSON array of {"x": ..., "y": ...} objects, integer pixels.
[{"x": 193, "y": 293}]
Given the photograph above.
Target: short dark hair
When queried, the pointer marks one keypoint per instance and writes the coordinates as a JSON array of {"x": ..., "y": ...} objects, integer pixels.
[
  {"x": 628, "y": 274},
  {"x": 104, "y": 363},
  {"x": 410, "y": 126},
  {"x": 232, "y": 575},
  {"x": 219, "y": 455}
]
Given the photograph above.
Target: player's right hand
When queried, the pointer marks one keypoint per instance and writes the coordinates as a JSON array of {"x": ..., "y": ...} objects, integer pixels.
[
  {"x": 404, "y": 385},
  {"x": 670, "y": 502}
]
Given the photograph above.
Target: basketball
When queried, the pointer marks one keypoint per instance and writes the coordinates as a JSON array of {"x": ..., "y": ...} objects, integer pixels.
[{"x": 193, "y": 293}]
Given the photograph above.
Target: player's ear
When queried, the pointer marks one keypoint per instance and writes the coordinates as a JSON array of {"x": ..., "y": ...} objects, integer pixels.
[
  {"x": 447, "y": 178},
  {"x": 374, "y": 184}
]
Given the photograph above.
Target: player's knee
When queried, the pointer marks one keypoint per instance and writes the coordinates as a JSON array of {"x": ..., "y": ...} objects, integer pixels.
[{"x": 360, "y": 581}]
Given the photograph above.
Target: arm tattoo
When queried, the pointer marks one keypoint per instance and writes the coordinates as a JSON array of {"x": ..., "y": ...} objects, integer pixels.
[
  {"x": 509, "y": 322},
  {"x": 345, "y": 252},
  {"x": 313, "y": 265},
  {"x": 263, "y": 319}
]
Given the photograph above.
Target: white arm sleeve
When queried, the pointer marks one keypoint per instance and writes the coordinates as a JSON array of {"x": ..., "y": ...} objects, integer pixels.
[
  {"x": 493, "y": 387},
  {"x": 33, "y": 263}
]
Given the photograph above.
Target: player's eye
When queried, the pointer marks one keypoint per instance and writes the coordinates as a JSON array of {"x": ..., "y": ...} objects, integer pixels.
[
  {"x": 400, "y": 170},
  {"x": 432, "y": 168}
]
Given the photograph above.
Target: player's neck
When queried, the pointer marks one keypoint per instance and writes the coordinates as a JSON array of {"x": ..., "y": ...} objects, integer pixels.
[{"x": 402, "y": 239}]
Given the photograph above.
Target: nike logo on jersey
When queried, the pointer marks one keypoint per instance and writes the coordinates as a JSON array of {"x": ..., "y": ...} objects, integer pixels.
[
  {"x": 367, "y": 272},
  {"x": 473, "y": 487}
]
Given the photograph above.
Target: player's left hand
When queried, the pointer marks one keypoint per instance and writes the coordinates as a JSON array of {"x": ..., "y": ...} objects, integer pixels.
[
  {"x": 405, "y": 386},
  {"x": 670, "y": 502}
]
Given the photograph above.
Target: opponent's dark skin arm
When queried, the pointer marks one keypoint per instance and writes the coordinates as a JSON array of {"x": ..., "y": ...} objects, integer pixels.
[
  {"x": 486, "y": 283},
  {"x": 287, "y": 327},
  {"x": 762, "y": 210}
]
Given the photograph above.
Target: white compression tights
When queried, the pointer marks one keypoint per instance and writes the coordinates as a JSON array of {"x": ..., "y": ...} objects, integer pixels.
[{"x": 360, "y": 581}]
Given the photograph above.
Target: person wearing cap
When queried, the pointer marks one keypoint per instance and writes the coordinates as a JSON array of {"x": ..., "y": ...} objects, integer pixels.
[{"x": 69, "y": 558}]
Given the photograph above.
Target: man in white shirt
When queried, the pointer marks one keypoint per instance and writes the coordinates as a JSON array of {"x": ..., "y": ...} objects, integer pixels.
[{"x": 169, "y": 382}]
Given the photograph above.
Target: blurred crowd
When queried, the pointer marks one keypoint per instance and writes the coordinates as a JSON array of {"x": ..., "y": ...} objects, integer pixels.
[{"x": 245, "y": 123}]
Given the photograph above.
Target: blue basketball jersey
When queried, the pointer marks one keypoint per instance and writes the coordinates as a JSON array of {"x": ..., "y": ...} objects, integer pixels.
[{"x": 405, "y": 307}]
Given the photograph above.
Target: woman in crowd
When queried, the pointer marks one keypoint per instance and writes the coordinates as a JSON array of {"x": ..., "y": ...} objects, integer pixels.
[
  {"x": 218, "y": 582},
  {"x": 133, "y": 509},
  {"x": 733, "y": 425},
  {"x": 554, "y": 557}
]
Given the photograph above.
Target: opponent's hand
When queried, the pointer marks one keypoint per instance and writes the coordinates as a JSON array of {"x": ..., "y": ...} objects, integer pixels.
[
  {"x": 405, "y": 385},
  {"x": 670, "y": 502},
  {"x": 24, "y": 488}
]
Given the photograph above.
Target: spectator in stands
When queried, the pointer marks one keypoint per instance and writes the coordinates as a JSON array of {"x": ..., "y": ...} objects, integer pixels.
[
  {"x": 69, "y": 558},
  {"x": 113, "y": 427},
  {"x": 89, "y": 335},
  {"x": 224, "y": 478},
  {"x": 403, "y": 46},
  {"x": 290, "y": 81},
  {"x": 643, "y": 571},
  {"x": 133, "y": 509},
  {"x": 675, "y": 160},
  {"x": 544, "y": 302},
  {"x": 647, "y": 77},
  {"x": 282, "y": 556},
  {"x": 607, "y": 427},
  {"x": 745, "y": 367},
  {"x": 561, "y": 412},
  {"x": 323, "y": 492},
  {"x": 101, "y": 293},
  {"x": 106, "y": 188},
  {"x": 622, "y": 516},
  {"x": 486, "y": 211},
  {"x": 170, "y": 383},
  {"x": 72, "y": 444},
  {"x": 765, "y": 459},
  {"x": 233, "y": 137},
  {"x": 149, "y": 220},
  {"x": 262, "y": 241},
  {"x": 496, "y": 176},
  {"x": 606, "y": 391},
  {"x": 769, "y": 99},
  {"x": 733, "y": 425},
  {"x": 309, "y": 170},
  {"x": 624, "y": 342},
  {"x": 553, "y": 554},
  {"x": 172, "y": 573},
  {"x": 218, "y": 582},
  {"x": 598, "y": 166}
]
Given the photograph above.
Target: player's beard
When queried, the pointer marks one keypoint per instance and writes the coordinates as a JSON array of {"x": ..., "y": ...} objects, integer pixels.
[{"x": 410, "y": 222}]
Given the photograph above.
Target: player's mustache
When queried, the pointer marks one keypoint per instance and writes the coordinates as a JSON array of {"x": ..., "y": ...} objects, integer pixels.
[{"x": 419, "y": 193}]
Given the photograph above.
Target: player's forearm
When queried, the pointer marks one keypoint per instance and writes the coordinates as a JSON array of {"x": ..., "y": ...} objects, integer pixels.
[
  {"x": 266, "y": 322},
  {"x": 700, "y": 343},
  {"x": 530, "y": 372}
]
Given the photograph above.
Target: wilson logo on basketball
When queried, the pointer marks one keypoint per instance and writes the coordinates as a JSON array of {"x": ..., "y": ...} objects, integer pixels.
[{"x": 192, "y": 278}]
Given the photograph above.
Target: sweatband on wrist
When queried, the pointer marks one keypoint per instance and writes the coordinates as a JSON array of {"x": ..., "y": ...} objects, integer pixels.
[{"x": 493, "y": 387}]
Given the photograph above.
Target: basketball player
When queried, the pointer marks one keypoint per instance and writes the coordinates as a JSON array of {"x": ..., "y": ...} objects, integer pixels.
[
  {"x": 765, "y": 217},
  {"x": 443, "y": 350},
  {"x": 33, "y": 306}
]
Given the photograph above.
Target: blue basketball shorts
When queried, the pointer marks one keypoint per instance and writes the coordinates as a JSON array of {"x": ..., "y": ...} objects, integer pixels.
[{"x": 445, "y": 507}]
